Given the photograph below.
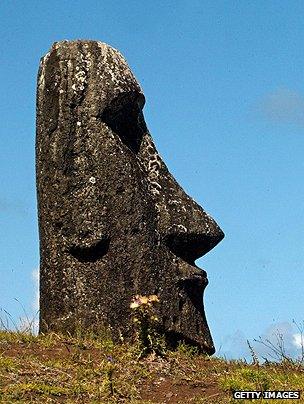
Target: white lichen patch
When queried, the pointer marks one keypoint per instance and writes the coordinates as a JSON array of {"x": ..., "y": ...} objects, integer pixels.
[
  {"x": 113, "y": 69},
  {"x": 41, "y": 79},
  {"x": 152, "y": 164},
  {"x": 182, "y": 228}
]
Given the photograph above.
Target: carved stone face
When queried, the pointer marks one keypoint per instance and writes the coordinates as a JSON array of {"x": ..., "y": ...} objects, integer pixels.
[{"x": 113, "y": 222}]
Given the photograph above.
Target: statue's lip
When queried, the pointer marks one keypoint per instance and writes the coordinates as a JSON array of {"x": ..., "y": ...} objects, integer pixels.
[
  {"x": 200, "y": 271},
  {"x": 199, "y": 277}
]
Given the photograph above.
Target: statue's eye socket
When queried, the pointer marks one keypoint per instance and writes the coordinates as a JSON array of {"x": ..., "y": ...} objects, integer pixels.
[
  {"x": 90, "y": 253},
  {"x": 125, "y": 118}
]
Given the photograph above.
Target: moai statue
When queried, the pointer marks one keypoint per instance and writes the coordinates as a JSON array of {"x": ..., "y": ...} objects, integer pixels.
[{"x": 113, "y": 222}]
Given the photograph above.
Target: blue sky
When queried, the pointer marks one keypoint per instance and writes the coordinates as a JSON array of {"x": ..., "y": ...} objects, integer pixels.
[{"x": 224, "y": 91}]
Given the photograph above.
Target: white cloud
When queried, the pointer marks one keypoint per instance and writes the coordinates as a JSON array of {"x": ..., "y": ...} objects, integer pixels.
[
  {"x": 28, "y": 325},
  {"x": 298, "y": 340},
  {"x": 283, "y": 105},
  {"x": 233, "y": 346},
  {"x": 275, "y": 341},
  {"x": 35, "y": 277}
]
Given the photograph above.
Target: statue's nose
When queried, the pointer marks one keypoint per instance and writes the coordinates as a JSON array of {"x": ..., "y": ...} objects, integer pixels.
[
  {"x": 187, "y": 230},
  {"x": 194, "y": 234},
  {"x": 192, "y": 245}
]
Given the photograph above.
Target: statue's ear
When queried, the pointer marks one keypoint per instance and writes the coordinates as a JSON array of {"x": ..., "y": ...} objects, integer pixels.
[{"x": 124, "y": 117}]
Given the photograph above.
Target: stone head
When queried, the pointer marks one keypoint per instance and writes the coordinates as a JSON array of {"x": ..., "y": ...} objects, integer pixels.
[{"x": 113, "y": 221}]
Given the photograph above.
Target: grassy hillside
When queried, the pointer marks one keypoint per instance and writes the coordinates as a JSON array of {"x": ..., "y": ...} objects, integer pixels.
[{"x": 90, "y": 369}]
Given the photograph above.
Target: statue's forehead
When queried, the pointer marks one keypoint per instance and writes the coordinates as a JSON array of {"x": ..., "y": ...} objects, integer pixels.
[{"x": 93, "y": 70}]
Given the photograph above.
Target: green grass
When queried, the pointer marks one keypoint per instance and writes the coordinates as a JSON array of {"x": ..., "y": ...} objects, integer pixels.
[{"x": 92, "y": 369}]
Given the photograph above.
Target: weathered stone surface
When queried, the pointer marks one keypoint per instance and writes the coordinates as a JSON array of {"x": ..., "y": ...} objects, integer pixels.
[{"x": 113, "y": 222}]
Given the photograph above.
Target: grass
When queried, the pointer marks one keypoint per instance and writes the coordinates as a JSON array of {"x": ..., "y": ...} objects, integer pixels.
[{"x": 92, "y": 369}]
